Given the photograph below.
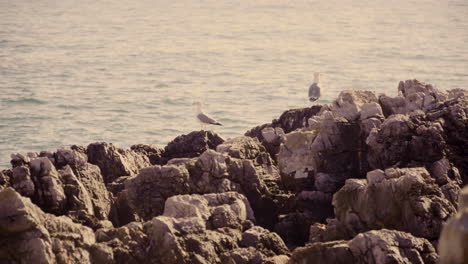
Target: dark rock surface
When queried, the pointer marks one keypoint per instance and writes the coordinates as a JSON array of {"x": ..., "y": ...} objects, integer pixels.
[
  {"x": 365, "y": 179},
  {"x": 115, "y": 162},
  {"x": 373, "y": 247},
  {"x": 191, "y": 145}
]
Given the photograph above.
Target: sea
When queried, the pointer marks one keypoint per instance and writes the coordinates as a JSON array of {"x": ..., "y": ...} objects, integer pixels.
[{"x": 128, "y": 71}]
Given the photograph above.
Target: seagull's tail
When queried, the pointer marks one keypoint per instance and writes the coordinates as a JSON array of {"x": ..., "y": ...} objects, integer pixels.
[
  {"x": 217, "y": 123},
  {"x": 313, "y": 98}
]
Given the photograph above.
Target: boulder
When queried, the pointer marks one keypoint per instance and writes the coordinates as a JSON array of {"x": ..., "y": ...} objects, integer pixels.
[
  {"x": 49, "y": 195},
  {"x": 115, "y": 162},
  {"x": 64, "y": 183},
  {"x": 373, "y": 247},
  {"x": 349, "y": 104},
  {"x": 402, "y": 199},
  {"x": 153, "y": 152},
  {"x": 271, "y": 135},
  {"x": 191, "y": 145},
  {"x": 126, "y": 244},
  {"x": 29, "y": 235},
  {"x": 208, "y": 229},
  {"x": 148, "y": 191}
]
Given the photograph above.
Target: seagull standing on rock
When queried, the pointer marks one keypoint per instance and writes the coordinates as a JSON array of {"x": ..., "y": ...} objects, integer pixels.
[
  {"x": 314, "y": 89},
  {"x": 203, "y": 118}
]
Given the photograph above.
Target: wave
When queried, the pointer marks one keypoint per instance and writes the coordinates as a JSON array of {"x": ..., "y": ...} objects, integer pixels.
[{"x": 28, "y": 100}]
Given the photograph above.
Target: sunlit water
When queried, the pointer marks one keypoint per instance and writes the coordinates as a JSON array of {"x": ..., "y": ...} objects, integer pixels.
[{"x": 76, "y": 72}]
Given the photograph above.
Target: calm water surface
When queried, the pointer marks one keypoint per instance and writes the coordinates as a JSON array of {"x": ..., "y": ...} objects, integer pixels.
[{"x": 76, "y": 72}]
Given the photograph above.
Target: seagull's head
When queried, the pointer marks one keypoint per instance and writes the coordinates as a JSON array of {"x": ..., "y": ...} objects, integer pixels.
[{"x": 197, "y": 103}]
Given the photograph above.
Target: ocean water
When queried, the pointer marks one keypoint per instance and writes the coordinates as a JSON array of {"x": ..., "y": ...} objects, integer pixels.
[{"x": 127, "y": 72}]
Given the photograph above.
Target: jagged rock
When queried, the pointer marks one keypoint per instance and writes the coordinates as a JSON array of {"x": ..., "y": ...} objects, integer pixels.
[
  {"x": 115, "y": 162},
  {"x": 126, "y": 244},
  {"x": 263, "y": 240},
  {"x": 89, "y": 175},
  {"x": 29, "y": 235},
  {"x": 211, "y": 172},
  {"x": 373, "y": 247},
  {"x": 453, "y": 239},
  {"x": 349, "y": 104},
  {"x": 148, "y": 191},
  {"x": 72, "y": 186},
  {"x": 49, "y": 190},
  {"x": 271, "y": 135},
  {"x": 331, "y": 149},
  {"x": 305, "y": 209},
  {"x": 402, "y": 199},
  {"x": 453, "y": 117},
  {"x": 78, "y": 197},
  {"x": 191, "y": 145},
  {"x": 74, "y": 156},
  {"x": 188, "y": 232},
  {"x": 251, "y": 149},
  {"x": 219, "y": 209},
  {"x": 22, "y": 182},
  {"x": 415, "y": 96},
  {"x": 288, "y": 121},
  {"x": 153, "y": 152}
]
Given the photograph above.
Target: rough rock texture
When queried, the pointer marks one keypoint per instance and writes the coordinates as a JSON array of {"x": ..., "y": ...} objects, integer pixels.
[
  {"x": 453, "y": 242},
  {"x": 63, "y": 183},
  {"x": 28, "y": 235},
  {"x": 148, "y": 191},
  {"x": 373, "y": 247},
  {"x": 241, "y": 165},
  {"x": 271, "y": 135},
  {"x": 401, "y": 199},
  {"x": 289, "y": 121},
  {"x": 191, "y": 145},
  {"x": 153, "y": 152},
  {"x": 126, "y": 244},
  {"x": 208, "y": 229},
  {"x": 115, "y": 162},
  {"x": 349, "y": 104}
]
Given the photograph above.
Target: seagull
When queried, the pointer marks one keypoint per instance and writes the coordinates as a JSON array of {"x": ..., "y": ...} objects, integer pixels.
[
  {"x": 314, "y": 89},
  {"x": 203, "y": 118}
]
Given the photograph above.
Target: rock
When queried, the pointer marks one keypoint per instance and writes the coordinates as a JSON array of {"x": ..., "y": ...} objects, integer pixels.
[
  {"x": 373, "y": 247},
  {"x": 371, "y": 110},
  {"x": 89, "y": 175},
  {"x": 76, "y": 188},
  {"x": 331, "y": 148},
  {"x": 270, "y": 135},
  {"x": 126, "y": 244},
  {"x": 268, "y": 243},
  {"x": 74, "y": 156},
  {"x": 228, "y": 209},
  {"x": 148, "y": 191},
  {"x": 50, "y": 195},
  {"x": 153, "y": 152},
  {"x": 453, "y": 239},
  {"x": 31, "y": 236},
  {"x": 306, "y": 208},
  {"x": 349, "y": 104},
  {"x": 79, "y": 198},
  {"x": 417, "y": 96},
  {"x": 191, "y": 145},
  {"x": 406, "y": 200},
  {"x": 115, "y": 162},
  {"x": 208, "y": 229},
  {"x": 22, "y": 182}
]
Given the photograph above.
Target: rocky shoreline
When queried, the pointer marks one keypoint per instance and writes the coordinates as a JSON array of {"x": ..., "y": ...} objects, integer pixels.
[{"x": 366, "y": 179}]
